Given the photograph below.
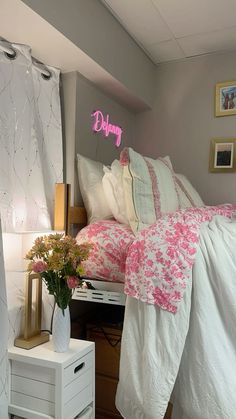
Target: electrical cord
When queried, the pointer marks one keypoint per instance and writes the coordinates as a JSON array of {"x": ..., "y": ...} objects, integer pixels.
[
  {"x": 109, "y": 340},
  {"x": 112, "y": 342},
  {"x": 46, "y": 330}
]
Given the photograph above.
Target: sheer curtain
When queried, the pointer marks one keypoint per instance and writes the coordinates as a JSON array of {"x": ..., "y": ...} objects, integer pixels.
[
  {"x": 3, "y": 338},
  {"x": 31, "y": 162},
  {"x": 30, "y": 140}
]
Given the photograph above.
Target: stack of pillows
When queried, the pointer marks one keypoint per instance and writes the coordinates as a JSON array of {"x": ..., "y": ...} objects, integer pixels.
[{"x": 136, "y": 190}]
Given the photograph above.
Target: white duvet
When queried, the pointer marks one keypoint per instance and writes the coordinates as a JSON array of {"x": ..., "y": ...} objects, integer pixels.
[{"x": 190, "y": 354}]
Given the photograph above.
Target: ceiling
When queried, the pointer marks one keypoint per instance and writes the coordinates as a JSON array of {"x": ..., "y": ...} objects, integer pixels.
[
  {"x": 170, "y": 30},
  {"x": 28, "y": 27}
]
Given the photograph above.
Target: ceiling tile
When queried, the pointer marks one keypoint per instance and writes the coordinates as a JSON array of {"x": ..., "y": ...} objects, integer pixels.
[
  {"x": 187, "y": 17},
  {"x": 141, "y": 19},
  {"x": 166, "y": 51},
  {"x": 209, "y": 42}
]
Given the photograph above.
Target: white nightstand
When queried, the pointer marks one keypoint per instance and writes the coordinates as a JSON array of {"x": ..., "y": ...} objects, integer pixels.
[{"x": 45, "y": 384}]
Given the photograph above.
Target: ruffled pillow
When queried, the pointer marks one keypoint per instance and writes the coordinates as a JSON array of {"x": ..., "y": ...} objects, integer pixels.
[
  {"x": 188, "y": 196},
  {"x": 149, "y": 187}
]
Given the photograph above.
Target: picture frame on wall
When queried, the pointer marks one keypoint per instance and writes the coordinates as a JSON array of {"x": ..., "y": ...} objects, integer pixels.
[
  {"x": 225, "y": 98},
  {"x": 222, "y": 155}
]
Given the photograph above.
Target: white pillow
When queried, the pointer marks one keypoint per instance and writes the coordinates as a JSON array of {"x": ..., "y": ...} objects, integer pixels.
[
  {"x": 113, "y": 188},
  {"x": 188, "y": 196},
  {"x": 90, "y": 175},
  {"x": 149, "y": 187}
]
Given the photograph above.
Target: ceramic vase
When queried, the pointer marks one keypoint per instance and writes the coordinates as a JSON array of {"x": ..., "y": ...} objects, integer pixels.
[{"x": 61, "y": 329}]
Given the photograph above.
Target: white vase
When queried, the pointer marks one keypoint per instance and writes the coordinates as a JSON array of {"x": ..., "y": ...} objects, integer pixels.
[{"x": 61, "y": 329}]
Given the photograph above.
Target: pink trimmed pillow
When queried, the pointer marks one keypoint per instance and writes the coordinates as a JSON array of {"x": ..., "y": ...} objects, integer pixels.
[
  {"x": 188, "y": 196},
  {"x": 149, "y": 187}
]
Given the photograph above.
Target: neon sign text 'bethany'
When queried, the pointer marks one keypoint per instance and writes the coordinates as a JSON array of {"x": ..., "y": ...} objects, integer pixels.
[{"x": 102, "y": 124}]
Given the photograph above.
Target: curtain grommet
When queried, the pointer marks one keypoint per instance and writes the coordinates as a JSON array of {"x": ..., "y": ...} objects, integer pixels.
[
  {"x": 46, "y": 76},
  {"x": 12, "y": 55}
]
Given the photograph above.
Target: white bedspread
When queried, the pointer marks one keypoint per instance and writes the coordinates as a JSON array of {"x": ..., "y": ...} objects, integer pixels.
[{"x": 154, "y": 341}]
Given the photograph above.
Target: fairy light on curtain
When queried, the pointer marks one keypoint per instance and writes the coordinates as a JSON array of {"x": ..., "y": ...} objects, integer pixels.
[{"x": 31, "y": 160}]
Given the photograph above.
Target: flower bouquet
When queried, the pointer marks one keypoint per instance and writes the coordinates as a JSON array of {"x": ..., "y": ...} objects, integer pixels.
[{"x": 58, "y": 260}]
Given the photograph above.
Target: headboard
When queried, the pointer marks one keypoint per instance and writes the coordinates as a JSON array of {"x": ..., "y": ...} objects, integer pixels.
[{"x": 67, "y": 217}]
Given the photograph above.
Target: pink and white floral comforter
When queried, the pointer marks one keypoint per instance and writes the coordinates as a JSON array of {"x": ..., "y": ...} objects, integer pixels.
[
  {"x": 110, "y": 243},
  {"x": 160, "y": 260},
  {"x": 155, "y": 265}
]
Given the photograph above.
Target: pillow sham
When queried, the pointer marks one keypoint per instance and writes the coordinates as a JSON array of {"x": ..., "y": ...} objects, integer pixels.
[
  {"x": 188, "y": 196},
  {"x": 149, "y": 188},
  {"x": 110, "y": 242},
  {"x": 114, "y": 191},
  {"x": 90, "y": 174}
]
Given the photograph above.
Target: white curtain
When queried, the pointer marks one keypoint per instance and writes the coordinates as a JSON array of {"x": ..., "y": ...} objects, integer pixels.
[
  {"x": 3, "y": 339},
  {"x": 31, "y": 162},
  {"x": 31, "y": 159}
]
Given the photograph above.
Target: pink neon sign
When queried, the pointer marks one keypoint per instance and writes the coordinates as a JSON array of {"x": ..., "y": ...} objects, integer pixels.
[{"x": 101, "y": 124}]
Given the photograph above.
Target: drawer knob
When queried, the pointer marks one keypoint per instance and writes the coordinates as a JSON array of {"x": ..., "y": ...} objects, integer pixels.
[{"x": 79, "y": 367}]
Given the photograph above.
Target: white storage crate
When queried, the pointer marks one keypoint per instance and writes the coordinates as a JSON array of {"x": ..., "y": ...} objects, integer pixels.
[{"x": 104, "y": 292}]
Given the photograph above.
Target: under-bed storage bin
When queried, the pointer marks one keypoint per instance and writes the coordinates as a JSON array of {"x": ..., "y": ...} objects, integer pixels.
[{"x": 107, "y": 354}]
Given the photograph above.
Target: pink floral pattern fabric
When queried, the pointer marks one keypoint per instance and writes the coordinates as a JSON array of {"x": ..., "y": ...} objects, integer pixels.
[
  {"x": 160, "y": 259},
  {"x": 111, "y": 241}
]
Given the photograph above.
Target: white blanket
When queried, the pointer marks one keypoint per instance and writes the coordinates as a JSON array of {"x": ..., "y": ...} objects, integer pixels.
[{"x": 155, "y": 340}]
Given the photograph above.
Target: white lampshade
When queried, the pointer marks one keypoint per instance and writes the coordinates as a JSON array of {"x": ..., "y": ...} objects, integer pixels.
[{"x": 15, "y": 247}]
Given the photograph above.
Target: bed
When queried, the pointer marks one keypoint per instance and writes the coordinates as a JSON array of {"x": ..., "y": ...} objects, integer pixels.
[
  {"x": 179, "y": 280},
  {"x": 108, "y": 287}
]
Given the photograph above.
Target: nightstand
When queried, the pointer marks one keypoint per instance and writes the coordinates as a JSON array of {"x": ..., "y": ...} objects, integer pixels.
[{"x": 45, "y": 384}]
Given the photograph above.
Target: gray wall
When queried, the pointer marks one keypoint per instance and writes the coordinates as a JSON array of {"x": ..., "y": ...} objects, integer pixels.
[
  {"x": 182, "y": 122},
  {"x": 80, "y": 99},
  {"x": 90, "y": 26}
]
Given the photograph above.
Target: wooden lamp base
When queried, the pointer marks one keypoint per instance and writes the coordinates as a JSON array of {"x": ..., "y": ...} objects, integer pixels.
[
  {"x": 32, "y": 335},
  {"x": 29, "y": 343}
]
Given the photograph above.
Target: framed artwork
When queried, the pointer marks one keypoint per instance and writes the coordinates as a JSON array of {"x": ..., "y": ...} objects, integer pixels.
[
  {"x": 222, "y": 155},
  {"x": 225, "y": 98}
]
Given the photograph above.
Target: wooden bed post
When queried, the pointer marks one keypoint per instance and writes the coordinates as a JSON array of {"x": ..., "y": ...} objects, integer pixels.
[
  {"x": 62, "y": 207},
  {"x": 65, "y": 215}
]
